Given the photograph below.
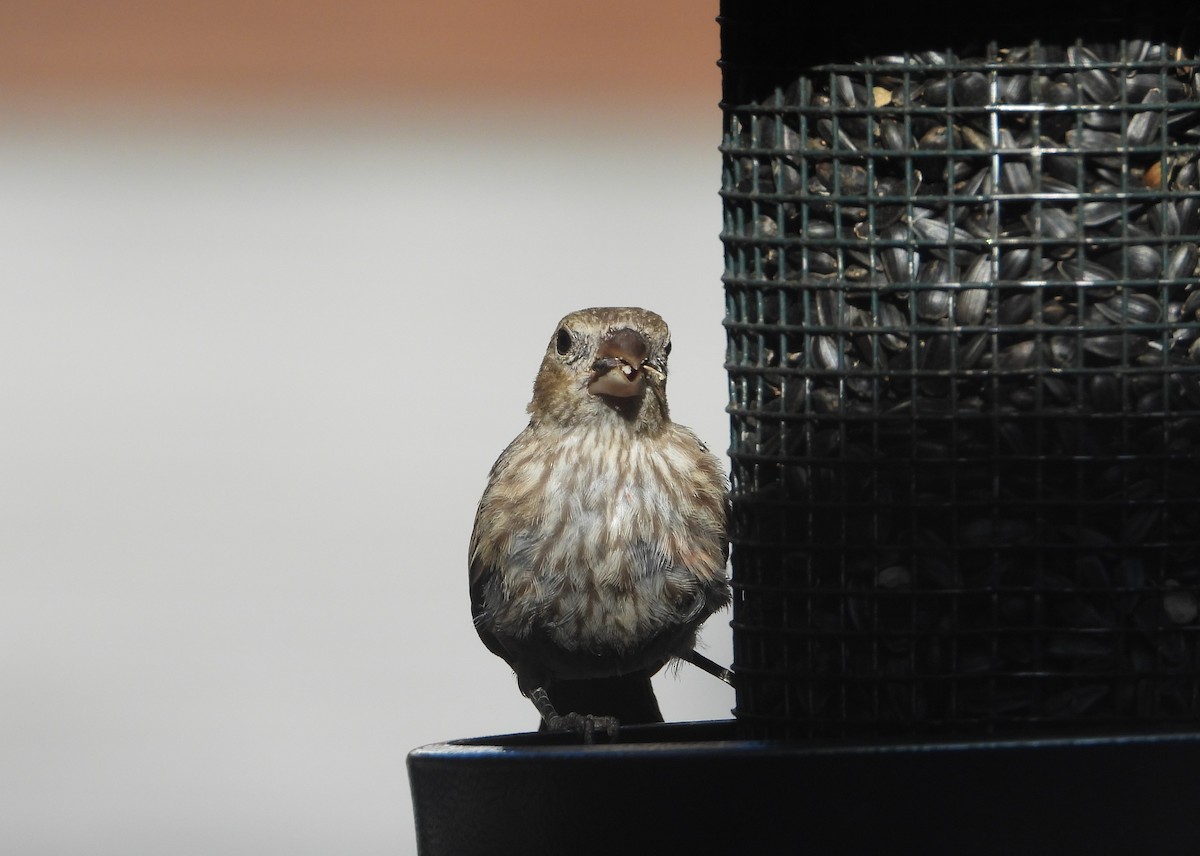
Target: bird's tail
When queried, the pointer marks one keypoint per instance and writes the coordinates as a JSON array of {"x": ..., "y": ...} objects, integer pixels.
[{"x": 630, "y": 698}]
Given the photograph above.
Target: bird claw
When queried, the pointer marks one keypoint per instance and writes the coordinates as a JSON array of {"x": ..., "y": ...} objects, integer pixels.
[{"x": 585, "y": 724}]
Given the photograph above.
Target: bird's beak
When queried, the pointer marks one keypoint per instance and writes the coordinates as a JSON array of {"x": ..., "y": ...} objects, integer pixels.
[{"x": 620, "y": 365}]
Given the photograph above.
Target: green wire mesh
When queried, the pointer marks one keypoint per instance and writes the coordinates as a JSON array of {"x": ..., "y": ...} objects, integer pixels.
[{"x": 963, "y": 316}]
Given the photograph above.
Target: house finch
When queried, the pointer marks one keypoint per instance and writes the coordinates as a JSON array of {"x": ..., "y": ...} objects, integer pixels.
[{"x": 599, "y": 545}]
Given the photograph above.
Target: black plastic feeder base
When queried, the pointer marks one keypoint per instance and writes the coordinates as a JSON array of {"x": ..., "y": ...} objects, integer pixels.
[{"x": 693, "y": 788}]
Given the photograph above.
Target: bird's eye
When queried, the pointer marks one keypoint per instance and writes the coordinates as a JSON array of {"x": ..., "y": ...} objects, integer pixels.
[
  {"x": 667, "y": 350},
  {"x": 562, "y": 342}
]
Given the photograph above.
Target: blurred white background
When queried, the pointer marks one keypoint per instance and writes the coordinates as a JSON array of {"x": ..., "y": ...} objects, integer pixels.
[{"x": 257, "y": 355}]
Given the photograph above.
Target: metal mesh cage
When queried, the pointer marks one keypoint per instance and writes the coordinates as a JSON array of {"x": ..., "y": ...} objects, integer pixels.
[{"x": 963, "y": 320}]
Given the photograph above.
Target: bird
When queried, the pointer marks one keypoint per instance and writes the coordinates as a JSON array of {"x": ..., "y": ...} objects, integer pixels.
[{"x": 600, "y": 542}]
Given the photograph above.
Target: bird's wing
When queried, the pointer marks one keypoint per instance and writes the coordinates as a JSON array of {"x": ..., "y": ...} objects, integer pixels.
[{"x": 481, "y": 577}]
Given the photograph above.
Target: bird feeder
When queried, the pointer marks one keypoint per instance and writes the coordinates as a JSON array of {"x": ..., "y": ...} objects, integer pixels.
[
  {"x": 962, "y": 303},
  {"x": 963, "y": 315}
]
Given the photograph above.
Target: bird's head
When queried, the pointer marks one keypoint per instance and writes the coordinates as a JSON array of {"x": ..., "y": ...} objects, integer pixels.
[{"x": 603, "y": 363}]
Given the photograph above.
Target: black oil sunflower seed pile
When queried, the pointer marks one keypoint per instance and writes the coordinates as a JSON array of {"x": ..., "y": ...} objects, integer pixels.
[{"x": 963, "y": 315}]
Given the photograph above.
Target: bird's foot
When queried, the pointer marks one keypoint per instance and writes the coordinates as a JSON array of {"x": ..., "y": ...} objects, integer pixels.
[{"x": 584, "y": 724}]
